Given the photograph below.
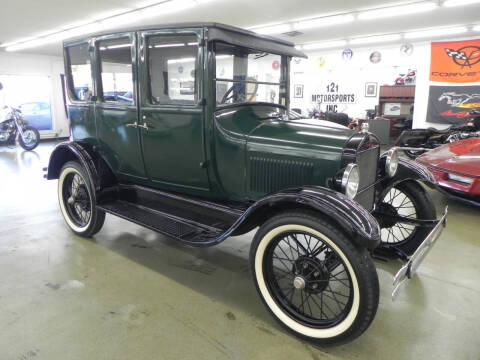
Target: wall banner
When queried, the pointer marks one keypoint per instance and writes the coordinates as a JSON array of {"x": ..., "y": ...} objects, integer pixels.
[
  {"x": 451, "y": 104},
  {"x": 455, "y": 61}
]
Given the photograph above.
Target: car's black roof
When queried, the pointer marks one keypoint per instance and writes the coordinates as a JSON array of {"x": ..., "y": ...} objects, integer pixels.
[{"x": 282, "y": 44}]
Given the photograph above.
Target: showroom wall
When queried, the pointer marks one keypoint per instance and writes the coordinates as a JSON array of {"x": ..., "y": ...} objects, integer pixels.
[
  {"x": 39, "y": 66},
  {"x": 348, "y": 78}
]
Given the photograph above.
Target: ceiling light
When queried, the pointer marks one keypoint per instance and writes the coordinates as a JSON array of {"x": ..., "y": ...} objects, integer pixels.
[
  {"x": 375, "y": 39},
  {"x": 452, "y": 3},
  {"x": 274, "y": 29},
  {"x": 476, "y": 28},
  {"x": 167, "y": 7},
  {"x": 119, "y": 20},
  {"x": 324, "y": 45},
  {"x": 397, "y": 10},
  {"x": 435, "y": 32},
  {"x": 169, "y": 45},
  {"x": 324, "y": 21}
]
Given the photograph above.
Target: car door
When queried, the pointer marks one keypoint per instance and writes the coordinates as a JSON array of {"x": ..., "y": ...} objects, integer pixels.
[
  {"x": 171, "y": 111},
  {"x": 116, "y": 115}
]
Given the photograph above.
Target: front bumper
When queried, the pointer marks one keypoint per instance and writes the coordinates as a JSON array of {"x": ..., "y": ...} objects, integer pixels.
[{"x": 411, "y": 266}]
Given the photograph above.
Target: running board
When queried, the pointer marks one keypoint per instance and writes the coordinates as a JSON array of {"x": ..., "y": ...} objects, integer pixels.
[{"x": 183, "y": 230}]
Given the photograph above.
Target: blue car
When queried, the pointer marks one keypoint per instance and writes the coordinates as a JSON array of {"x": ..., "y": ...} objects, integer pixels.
[{"x": 37, "y": 114}]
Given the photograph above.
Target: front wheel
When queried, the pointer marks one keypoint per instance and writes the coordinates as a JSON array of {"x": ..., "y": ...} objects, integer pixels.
[
  {"x": 30, "y": 138},
  {"x": 312, "y": 278},
  {"x": 75, "y": 195}
]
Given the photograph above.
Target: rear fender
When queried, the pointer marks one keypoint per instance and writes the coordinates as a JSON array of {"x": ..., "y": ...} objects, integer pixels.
[
  {"x": 357, "y": 223},
  {"x": 97, "y": 170}
]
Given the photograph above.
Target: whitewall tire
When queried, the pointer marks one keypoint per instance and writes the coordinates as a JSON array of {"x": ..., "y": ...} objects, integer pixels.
[
  {"x": 313, "y": 280},
  {"x": 77, "y": 202}
]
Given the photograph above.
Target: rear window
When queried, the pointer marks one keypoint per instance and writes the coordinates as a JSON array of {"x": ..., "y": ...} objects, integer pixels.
[{"x": 80, "y": 72}]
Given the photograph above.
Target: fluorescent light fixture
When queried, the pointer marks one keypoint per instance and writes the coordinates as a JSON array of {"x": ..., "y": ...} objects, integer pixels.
[
  {"x": 113, "y": 19},
  {"x": 120, "y": 20},
  {"x": 169, "y": 45},
  {"x": 397, "y": 10},
  {"x": 452, "y": 3},
  {"x": 375, "y": 39},
  {"x": 323, "y": 22},
  {"x": 119, "y": 46},
  {"x": 274, "y": 29},
  {"x": 83, "y": 30},
  {"x": 435, "y": 32},
  {"x": 324, "y": 45},
  {"x": 167, "y": 7},
  {"x": 476, "y": 28},
  {"x": 223, "y": 57}
]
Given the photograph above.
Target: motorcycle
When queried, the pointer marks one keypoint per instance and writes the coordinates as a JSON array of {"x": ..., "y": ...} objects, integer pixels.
[
  {"x": 418, "y": 141},
  {"x": 13, "y": 126},
  {"x": 406, "y": 79}
]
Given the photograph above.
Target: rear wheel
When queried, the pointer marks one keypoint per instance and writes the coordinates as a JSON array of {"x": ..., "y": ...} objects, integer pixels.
[
  {"x": 75, "y": 196},
  {"x": 313, "y": 280},
  {"x": 406, "y": 199}
]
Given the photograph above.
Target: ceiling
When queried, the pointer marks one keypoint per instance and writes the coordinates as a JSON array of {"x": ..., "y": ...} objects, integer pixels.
[{"x": 24, "y": 18}]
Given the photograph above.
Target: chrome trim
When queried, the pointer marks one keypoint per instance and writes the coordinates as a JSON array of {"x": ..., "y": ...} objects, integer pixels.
[{"x": 411, "y": 266}]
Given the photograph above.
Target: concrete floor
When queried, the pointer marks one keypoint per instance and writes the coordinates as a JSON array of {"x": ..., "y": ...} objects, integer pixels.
[{"x": 130, "y": 293}]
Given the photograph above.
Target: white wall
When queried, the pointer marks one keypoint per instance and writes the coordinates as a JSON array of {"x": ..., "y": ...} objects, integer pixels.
[
  {"x": 50, "y": 66},
  {"x": 351, "y": 76}
]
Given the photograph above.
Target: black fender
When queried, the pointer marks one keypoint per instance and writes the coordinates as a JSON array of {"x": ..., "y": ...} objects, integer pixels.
[
  {"x": 358, "y": 224},
  {"x": 97, "y": 170},
  {"x": 407, "y": 170}
]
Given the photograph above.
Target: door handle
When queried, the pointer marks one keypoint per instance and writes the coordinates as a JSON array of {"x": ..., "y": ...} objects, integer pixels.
[
  {"x": 144, "y": 126},
  {"x": 134, "y": 125}
]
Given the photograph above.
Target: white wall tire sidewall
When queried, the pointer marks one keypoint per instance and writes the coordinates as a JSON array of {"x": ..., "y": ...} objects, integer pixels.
[
  {"x": 61, "y": 200},
  {"x": 281, "y": 314}
]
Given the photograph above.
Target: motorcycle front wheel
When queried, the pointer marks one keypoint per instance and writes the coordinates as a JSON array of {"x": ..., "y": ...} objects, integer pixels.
[{"x": 30, "y": 138}]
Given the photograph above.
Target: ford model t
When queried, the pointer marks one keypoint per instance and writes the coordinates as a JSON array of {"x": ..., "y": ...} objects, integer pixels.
[{"x": 184, "y": 129}]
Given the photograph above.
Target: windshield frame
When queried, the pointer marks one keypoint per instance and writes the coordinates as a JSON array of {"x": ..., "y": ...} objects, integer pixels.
[{"x": 284, "y": 83}]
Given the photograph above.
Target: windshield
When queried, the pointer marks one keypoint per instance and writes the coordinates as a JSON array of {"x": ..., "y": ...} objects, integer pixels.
[{"x": 248, "y": 76}]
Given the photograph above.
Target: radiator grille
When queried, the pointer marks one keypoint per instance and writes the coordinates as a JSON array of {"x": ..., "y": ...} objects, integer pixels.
[
  {"x": 269, "y": 174},
  {"x": 367, "y": 161}
]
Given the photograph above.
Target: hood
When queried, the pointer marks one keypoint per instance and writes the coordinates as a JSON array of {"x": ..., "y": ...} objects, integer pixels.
[
  {"x": 319, "y": 135},
  {"x": 461, "y": 157}
]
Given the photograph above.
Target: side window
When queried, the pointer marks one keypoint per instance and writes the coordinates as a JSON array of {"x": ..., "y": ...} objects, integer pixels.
[
  {"x": 80, "y": 72},
  {"x": 116, "y": 70},
  {"x": 172, "y": 68}
]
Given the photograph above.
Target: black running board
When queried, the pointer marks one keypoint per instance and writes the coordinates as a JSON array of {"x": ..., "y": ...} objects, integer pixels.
[{"x": 183, "y": 230}]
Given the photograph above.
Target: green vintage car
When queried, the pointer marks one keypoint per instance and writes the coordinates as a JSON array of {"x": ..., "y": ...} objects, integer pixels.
[{"x": 203, "y": 148}]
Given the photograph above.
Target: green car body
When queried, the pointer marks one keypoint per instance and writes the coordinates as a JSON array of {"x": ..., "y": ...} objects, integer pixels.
[{"x": 200, "y": 160}]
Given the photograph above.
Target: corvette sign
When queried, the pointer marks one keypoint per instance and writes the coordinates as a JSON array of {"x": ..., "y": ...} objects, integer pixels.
[{"x": 455, "y": 61}]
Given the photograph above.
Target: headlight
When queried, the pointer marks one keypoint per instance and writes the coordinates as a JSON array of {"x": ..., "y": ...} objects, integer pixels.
[
  {"x": 351, "y": 180},
  {"x": 391, "y": 162}
]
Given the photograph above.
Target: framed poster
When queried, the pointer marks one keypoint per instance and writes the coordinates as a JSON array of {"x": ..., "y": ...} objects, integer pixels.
[
  {"x": 298, "y": 91},
  {"x": 371, "y": 89}
]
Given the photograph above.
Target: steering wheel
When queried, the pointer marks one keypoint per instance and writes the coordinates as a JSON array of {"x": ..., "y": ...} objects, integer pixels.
[{"x": 229, "y": 94}]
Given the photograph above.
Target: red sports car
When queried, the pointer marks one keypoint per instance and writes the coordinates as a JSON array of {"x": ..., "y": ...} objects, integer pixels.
[{"x": 456, "y": 168}]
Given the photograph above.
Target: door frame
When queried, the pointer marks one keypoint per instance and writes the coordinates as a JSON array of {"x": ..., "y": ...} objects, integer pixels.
[
  {"x": 98, "y": 91},
  {"x": 196, "y": 107}
]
